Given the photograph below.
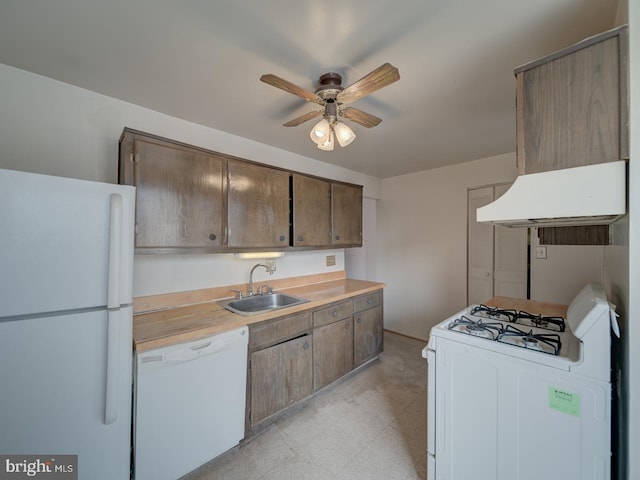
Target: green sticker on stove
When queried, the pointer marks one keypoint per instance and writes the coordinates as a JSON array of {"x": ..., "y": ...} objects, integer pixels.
[{"x": 564, "y": 401}]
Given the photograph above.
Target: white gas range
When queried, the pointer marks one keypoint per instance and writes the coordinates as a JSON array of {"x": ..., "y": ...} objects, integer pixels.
[{"x": 517, "y": 395}]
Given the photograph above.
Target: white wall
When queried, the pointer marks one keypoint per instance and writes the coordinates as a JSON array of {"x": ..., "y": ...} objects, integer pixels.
[
  {"x": 567, "y": 268},
  {"x": 54, "y": 128},
  {"x": 360, "y": 262},
  {"x": 422, "y": 241}
]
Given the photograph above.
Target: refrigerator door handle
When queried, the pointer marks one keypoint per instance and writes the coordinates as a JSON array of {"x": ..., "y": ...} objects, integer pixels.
[
  {"x": 112, "y": 380},
  {"x": 113, "y": 304},
  {"x": 115, "y": 251}
]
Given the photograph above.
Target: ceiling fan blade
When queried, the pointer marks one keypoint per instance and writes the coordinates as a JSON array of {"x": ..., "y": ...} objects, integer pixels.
[
  {"x": 303, "y": 118},
  {"x": 363, "y": 118},
  {"x": 380, "y": 77},
  {"x": 287, "y": 86}
]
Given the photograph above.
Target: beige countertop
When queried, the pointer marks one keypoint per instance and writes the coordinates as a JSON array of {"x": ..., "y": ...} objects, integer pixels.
[
  {"x": 180, "y": 324},
  {"x": 531, "y": 306}
]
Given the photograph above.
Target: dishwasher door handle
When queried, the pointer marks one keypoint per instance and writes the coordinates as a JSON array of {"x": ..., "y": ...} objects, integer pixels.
[
  {"x": 197, "y": 349},
  {"x": 200, "y": 347}
]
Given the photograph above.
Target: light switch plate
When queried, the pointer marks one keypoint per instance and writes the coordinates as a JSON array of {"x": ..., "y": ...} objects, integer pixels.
[
  {"x": 541, "y": 252},
  {"x": 331, "y": 260}
]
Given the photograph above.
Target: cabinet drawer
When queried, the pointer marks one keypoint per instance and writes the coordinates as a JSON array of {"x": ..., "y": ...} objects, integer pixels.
[
  {"x": 333, "y": 313},
  {"x": 270, "y": 333},
  {"x": 367, "y": 301}
]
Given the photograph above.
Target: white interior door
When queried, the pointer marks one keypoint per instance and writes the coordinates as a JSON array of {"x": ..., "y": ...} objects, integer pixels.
[
  {"x": 497, "y": 256},
  {"x": 480, "y": 249},
  {"x": 510, "y": 258}
]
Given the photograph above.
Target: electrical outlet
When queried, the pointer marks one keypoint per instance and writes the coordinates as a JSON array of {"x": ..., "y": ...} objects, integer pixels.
[
  {"x": 541, "y": 252},
  {"x": 271, "y": 263},
  {"x": 331, "y": 260}
]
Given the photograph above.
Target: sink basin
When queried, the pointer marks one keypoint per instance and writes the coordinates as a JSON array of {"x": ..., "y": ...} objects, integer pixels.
[{"x": 261, "y": 303}]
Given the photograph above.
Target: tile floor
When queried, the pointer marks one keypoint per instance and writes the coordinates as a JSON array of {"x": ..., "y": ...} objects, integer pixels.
[{"x": 369, "y": 426}]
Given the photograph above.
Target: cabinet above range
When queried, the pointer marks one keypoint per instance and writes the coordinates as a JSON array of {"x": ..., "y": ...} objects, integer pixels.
[
  {"x": 573, "y": 105},
  {"x": 192, "y": 200}
]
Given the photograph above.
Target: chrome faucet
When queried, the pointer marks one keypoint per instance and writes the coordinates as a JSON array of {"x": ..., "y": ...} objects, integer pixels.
[{"x": 251, "y": 275}]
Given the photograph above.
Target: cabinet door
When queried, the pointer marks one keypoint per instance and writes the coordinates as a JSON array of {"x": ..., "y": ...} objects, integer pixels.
[
  {"x": 367, "y": 335},
  {"x": 572, "y": 108},
  {"x": 311, "y": 211},
  {"x": 346, "y": 215},
  {"x": 332, "y": 352},
  {"x": 258, "y": 206},
  {"x": 280, "y": 376},
  {"x": 179, "y": 195}
]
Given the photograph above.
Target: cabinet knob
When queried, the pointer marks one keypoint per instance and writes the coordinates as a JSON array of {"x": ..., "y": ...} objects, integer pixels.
[
  {"x": 212, "y": 236},
  {"x": 359, "y": 320},
  {"x": 337, "y": 237},
  {"x": 346, "y": 326},
  {"x": 306, "y": 345},
  {"x": 335, "y": 313},
  {"x": 369, "y": 301},
  {"x": 300, "y": 238},
  {"x": 282, "y": 237}
]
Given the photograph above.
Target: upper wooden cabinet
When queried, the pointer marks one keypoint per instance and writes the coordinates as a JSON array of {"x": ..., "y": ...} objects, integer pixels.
[
  {"x": 258, "y": 208},
  {"x": 192, "y": 200},
  {"x": 346, "y": 215},
  {"x": 311, "y": 211},
  {"x": 179, "y": 195},
  {"x": 572, "y": 106}
]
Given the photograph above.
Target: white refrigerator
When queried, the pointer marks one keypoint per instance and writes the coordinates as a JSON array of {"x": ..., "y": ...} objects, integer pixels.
[{"x": 66, "y": 267}]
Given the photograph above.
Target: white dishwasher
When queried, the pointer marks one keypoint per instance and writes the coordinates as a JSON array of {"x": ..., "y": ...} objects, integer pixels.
[{"x": 189, "y": 404}]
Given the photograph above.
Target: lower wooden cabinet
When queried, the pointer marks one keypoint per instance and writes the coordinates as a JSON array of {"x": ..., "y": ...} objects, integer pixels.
[
  {"x": 293, "y": 356},
  {"x": 280, "y": 376},
  {"x": 367, "y": 335},
  {"x": 333, "y": 352}
]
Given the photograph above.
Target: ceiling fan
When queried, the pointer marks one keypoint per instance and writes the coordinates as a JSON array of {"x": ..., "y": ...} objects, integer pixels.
[{"x": 332, "y": 96}]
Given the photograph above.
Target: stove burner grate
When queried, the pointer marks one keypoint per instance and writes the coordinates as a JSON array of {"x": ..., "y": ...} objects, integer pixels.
[
  {"x": 541, "y": 321},
  {"x": 489, "y": 330},
  {"x": 540, "y": 342},
  {"x": 494, "y": 313}
]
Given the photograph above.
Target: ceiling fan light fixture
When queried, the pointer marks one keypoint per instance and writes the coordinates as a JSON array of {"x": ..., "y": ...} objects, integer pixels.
[
  {"x": 344, "y": 134},
  {"x": 327, "y": 144},
  {"x": 320, "y": 132}
]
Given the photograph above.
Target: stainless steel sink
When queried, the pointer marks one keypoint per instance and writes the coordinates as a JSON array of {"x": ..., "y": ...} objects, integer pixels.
[{"x": 261, "y": 303}]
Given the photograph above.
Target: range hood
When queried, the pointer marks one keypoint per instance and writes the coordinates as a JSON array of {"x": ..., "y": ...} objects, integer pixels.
[{"x": 589, "y": 195}]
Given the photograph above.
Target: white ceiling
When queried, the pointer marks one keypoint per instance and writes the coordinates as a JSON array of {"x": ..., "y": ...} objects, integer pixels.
[{"x": 201, "y": 60}]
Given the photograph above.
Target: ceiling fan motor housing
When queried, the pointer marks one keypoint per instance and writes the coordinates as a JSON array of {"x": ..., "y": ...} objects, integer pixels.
[{"x": 330, "y": 86}]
